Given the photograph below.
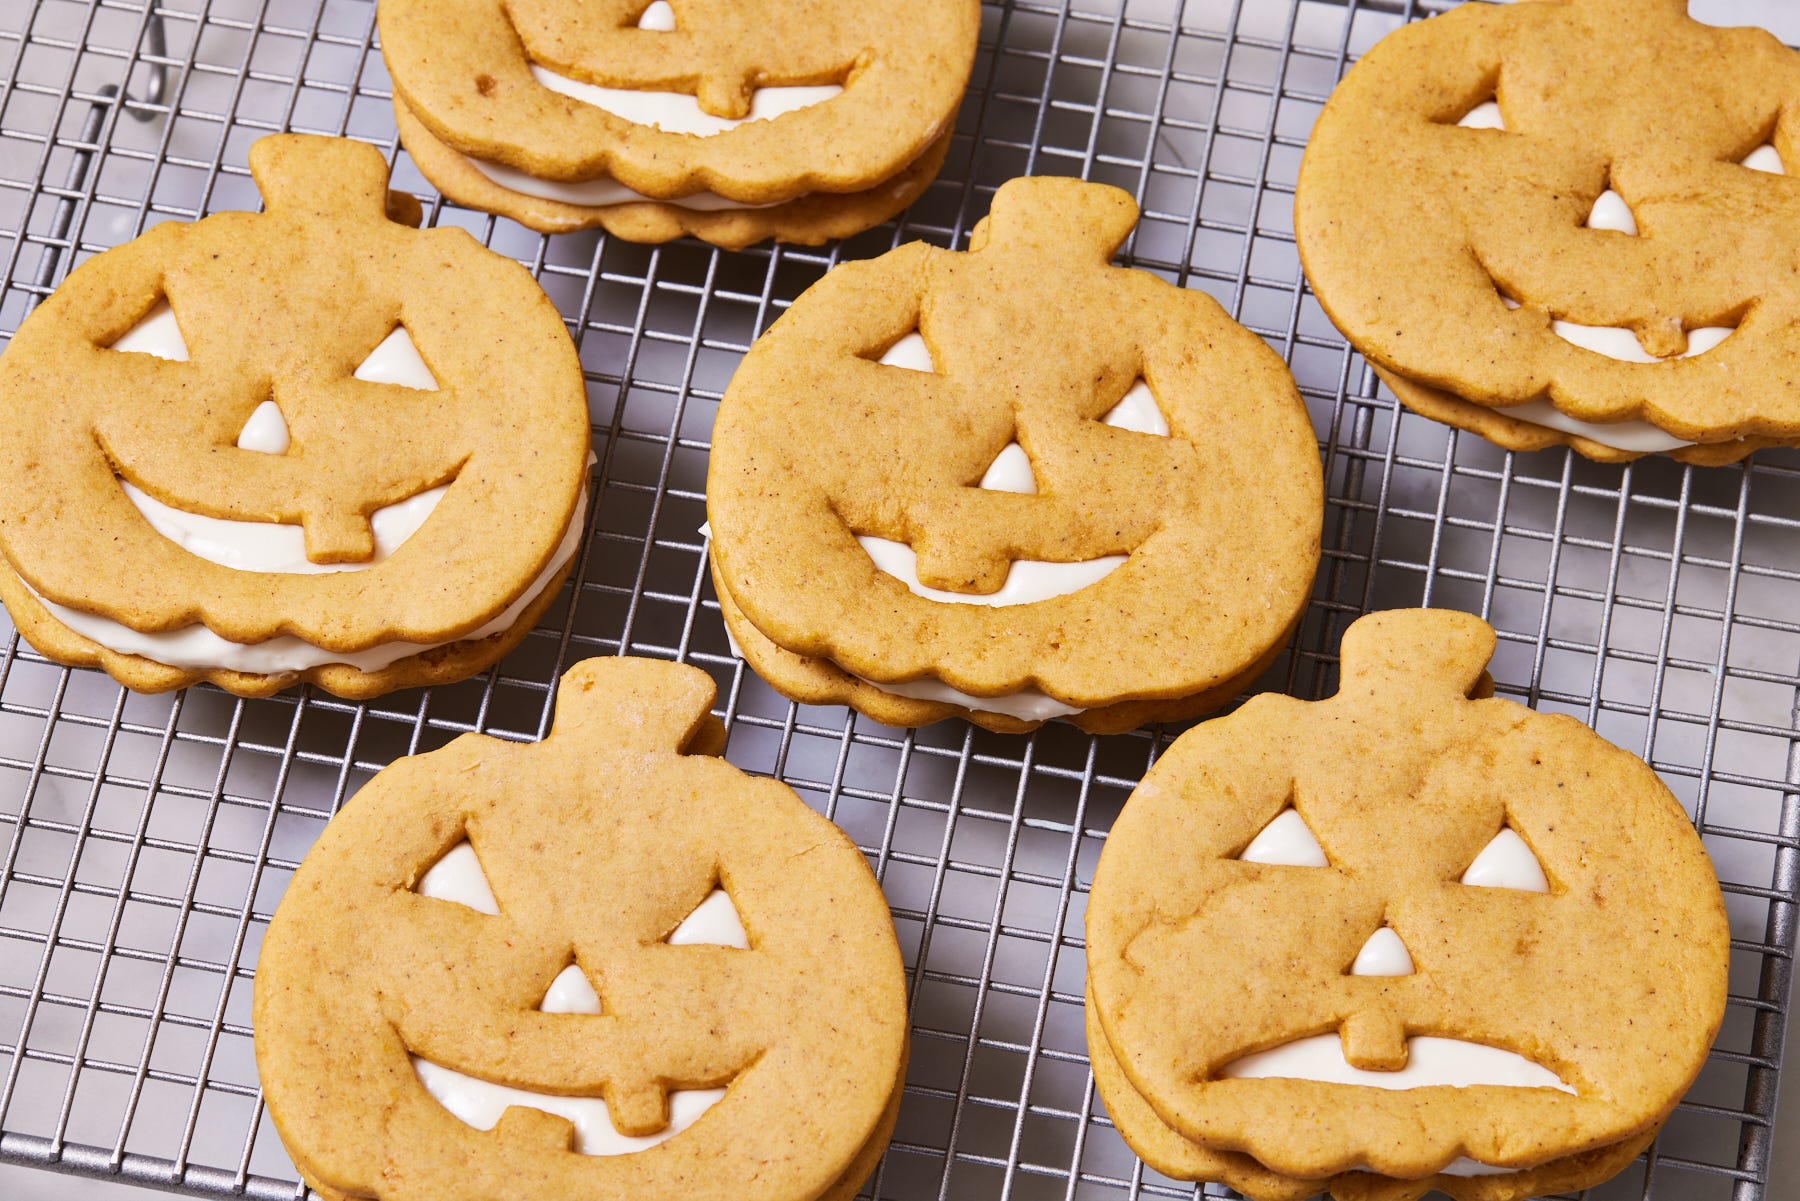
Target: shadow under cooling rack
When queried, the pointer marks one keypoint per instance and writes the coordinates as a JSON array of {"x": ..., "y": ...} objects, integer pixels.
[{"x": 144, "y": 840}]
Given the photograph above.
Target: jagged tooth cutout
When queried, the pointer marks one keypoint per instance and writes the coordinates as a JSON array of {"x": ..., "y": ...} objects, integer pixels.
[
  {"x": 156, "y": 334},
  {"x": 1011, "y": 472},
  {"x": 713, "y": 922},
  {"x": 1485, "y": 115},
  {"x": 1384, "y": 954},
  {"x": 910, "y": 353},
  {"x": 1137, "y": 410},
  {"x": 458, "y": 877},
  {"x": 396, "y": 360},
  {"x": 659, "y": 17},
  {"x": 1767, "y": 159},
  {"x": 1507, "y": 862},
  {"x": 1287, "y": 840},
  {"x": 266, "y": 432},
  {"x": 570, "y": 992}
]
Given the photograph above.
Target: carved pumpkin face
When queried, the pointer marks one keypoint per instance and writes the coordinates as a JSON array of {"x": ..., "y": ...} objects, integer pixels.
[
  {"x": 1015, "y": 467},
  {"x": 659, "y": 96},
  {"x": 233, "y": 370},
  {"x": 1441, "y": 927},
  {"x": 1588, "y": 205},
  {"x": 586, "y": 967}
]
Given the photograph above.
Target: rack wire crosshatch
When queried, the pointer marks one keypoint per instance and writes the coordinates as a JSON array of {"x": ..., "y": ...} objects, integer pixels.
[{"x": 148, "y": 838}]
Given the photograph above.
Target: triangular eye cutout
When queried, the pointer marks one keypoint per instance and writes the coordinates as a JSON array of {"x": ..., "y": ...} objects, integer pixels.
[
  {"x": 266, "y": 432},
  {"x": 1506, "y": 862},
  {"x": 458, "y": 877},
  {"x": 1137, "y": 411},
  {"x": 1010, "y": 472},
  {"x": 570, "y": 992},
  {"x": 714, "y": 921},
  {"x": 1383, "y": 955},
  {"x": 396, "y": 361},
  {"x": 911, "y": 353},
  {"x": 1484, "y": 116},
  {"x": 659, "y": 17},
  {"x": 1287, "y": 840},
  {"x": 1766, "y": 158},
  {"x": 1611, "y": 212},
  {"x": 157, "y": 334}
]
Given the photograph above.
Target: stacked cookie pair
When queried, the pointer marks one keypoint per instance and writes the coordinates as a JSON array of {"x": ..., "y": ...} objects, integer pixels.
[
  {"x": 803, "y": 120},
  {"x": 1568, "y": 223},
  {"x": 1399, "y": 940},
  {"x": 583, "y": 968}
]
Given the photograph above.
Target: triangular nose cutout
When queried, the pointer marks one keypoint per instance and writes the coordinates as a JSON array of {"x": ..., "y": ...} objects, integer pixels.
[
  {"x": 570, "y": 992},
  {"x": 659, "y": 17},
  {"x": 714, "y": 921},
  {"x": 458, "y": 877},
  {"x": 266, "y": 432},
  {"x": 1137, "y": 411},
  {"x": 396, "y": 361},
  {"x": 156, "y": 334},
  {"x": 1507, "y": 862},
  {"x": 1611, "y": 212},
  {"x": 1010, "y": 472},
  {"x": 1286, "y": 840},
  {"x": 1383, "y": 955},
  {"x": 1766, "y": 158},
  {"x": 911, "y": 353},
  {"x": 1484, "y": 116}
]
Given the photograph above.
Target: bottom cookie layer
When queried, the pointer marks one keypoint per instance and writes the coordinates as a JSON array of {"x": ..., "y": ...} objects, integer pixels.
[
  {"x": 1512, "y": 433},
  {"x": 1168, "y": 1152},
  {"x": 441, "y": 665},
  {"x": 819, "y": 682},
  {"x": 809, "y": 220}
]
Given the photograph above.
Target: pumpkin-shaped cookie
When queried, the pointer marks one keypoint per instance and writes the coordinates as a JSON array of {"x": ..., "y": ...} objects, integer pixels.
[
  {"x": 295, "y": 444},
  {"x": 1017, "y": 483},
  {"x": 733, "y": 120},
  {"x": 1569, "y": 222},
  {"x": 603, "y": 965},
  {"x": 1480, "y": 948}
]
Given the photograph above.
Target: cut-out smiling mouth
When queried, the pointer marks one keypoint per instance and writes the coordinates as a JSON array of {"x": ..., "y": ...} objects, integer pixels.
[
  {"x": 1430, "y": 1062},
  {"x": 479, "y": 1103}
]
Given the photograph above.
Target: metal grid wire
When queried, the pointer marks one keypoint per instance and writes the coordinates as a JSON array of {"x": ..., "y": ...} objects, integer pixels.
[{"x": 144, "y": 840}]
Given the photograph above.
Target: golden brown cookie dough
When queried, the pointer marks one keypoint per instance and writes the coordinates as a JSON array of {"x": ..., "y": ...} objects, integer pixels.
[
  {"x": 595, "y": 847},
  {"x": 1634, "y": 185},
  {"x": 1198, "y": 542},
  {"x": 502, "y": 84},
  {"x": 276, "y": 315},
  {"x": 1554, "y": 1023}
]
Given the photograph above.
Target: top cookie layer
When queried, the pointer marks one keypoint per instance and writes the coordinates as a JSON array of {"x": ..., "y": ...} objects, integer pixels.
[
  {"x": 464, "y": 67},
  {"x": 595, "y": 849},
  {"x": 284, "y": 306},
  {"x": 1203, "y": 538},
  {"x": 1593, "y": 980},
  {"x": 1416, "y": 231}
]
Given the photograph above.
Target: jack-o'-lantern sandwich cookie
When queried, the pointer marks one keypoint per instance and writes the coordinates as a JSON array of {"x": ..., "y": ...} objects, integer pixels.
[
  {"x": 733, "y": 120},
  {"x": 1013, "y": 484},
  {"x": 606, "y": 965},
  {"x": 314, "y": 443},
  {"x": 1569, "y": 223},
  {"x": 1401, "y": 940}
]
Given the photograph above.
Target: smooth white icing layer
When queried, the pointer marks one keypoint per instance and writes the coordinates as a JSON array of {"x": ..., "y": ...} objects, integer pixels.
[
  {"x": 1611, "y": 212},
  {"x": 196, "y": 647},
  {"x": 157, "y": 333},
  {"x": 1507, "y": 862},
  {"x": 597, "y": 193},
  {"x": 660, "y": 16},
  {"x": 714, "y": 921},
  {"x": 678, "y": 112},
  {"x": 1430, "y": 1062},
  {"x": 266, "y": 431},
  {"x": 1027, "y": 582},
  {"x": 479, "y": 1103},
  {"x": 570, "y": 992},
  {"x": 1483, "y": 116},
  {"x": 1638, "y": 437},
  {"x": 458, "y": 877},
  {"x": 1286, "y": 840},
  {"x": 1010, "y": 472},
  {"x": 1384, "y": 954}
]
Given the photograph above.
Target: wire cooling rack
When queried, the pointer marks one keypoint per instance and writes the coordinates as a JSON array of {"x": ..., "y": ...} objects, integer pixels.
[{"x": 146, "y": 839}]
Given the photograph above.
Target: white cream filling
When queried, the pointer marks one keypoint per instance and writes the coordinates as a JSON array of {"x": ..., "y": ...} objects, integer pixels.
[
  {"x": 1384, "y": 954},
  {"x": 1286, "y": 840},
  {"x": 1611, "y": 212},
  {"x": 1507, "y": 862},
  {"x": 1430, "y": 1062},
  {"x": 196, "y": 647}
]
